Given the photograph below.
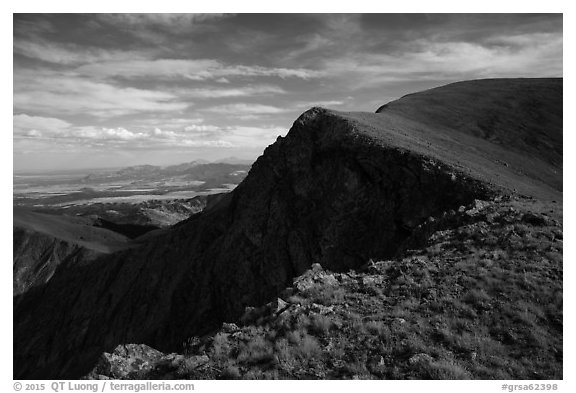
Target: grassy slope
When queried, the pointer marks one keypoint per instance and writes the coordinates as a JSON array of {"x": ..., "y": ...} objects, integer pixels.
[
  {"x": 507, "y": 132},
  {"x": 524, "y": 115}
]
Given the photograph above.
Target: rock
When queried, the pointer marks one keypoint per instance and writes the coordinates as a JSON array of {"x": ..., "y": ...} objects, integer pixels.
[
  {"x": 316, "y": 275},
  {"x": 328, "y": 279},
  {"x": 279, "y": 305},
  {"x": 229, "y": 327},
  {"x": 304, "y": 284},
  {"x": 420, "y": 358},
  {"x": 194, "y": 362},
  {"x": 126, "y": 360},
  {"x": 372, "y": 280},
  {"x": 477, "y": 207},
  {"x": 321, "y": 309},
  {"x": 258, "y": 315},
  {"x": 536, "y": 220}
]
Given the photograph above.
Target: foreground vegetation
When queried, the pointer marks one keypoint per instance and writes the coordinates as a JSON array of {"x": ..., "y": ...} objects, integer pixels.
[{"x": 479, "y": 296}]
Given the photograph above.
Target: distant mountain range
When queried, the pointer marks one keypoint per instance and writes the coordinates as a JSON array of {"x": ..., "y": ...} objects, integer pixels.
[
  {"x": 227, "y": 160},
  {"x": 194, "y": 170}
]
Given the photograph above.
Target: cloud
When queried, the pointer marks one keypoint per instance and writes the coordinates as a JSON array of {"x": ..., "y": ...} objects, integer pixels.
[
  {"x": 56, "y": 132},
  {"x": 201, "y": 128},
  {"x": 35, "y": 126},
  {"x": 71, "y": 54},
  {"x": 196, "y": 69},
  {"x": 56, "y": 93},
  {"x": 25, "y": 27},
  {"x": 165, "y": 120},
  {"x": 233, "y": 92},
  {"x": 254, "y": 136},
  {"x": 524, "y": 55},
  {"x": 325, "y": 104},
  {"x": 143, "y": 81},
  {"x": 53, "y": 128},
  {"x": 246, "y": 109},
  {"x": 159, "y": 29},
  {"x": 115, "y": 134},
  {"x": 173, "y": 22}
]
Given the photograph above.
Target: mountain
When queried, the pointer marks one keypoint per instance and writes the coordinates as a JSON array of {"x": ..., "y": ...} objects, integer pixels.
[
  {"x": 505, "y": 121},
  {"x": 507, "y": 114},
  {"x": 214, "y": 173},
  {"x": 339, "y": 190},
  {"x": 235, "y": 161},
  {"x": 44, "y": 242}
]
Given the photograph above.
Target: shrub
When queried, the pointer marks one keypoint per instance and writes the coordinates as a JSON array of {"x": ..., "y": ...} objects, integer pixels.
[
  {"x": 256, "y": 351},
  {"x": 221, "y": 347},
  {"x": 443, "y": 369},
  {"x": 320, "y": 324},
  {"x": 231, "y": 372}
]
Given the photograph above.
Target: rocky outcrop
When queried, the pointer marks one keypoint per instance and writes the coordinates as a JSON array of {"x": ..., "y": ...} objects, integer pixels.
[{"x": 333, "y": 191}]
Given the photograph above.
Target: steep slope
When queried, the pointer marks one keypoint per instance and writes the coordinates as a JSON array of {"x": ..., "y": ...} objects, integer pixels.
[
  {"x": 338, "y": 190},
  {"x": 42, "y": 242}
]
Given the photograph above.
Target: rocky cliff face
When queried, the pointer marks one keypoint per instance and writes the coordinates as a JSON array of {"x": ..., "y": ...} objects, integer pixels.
[{"x": 333, "y": 191}]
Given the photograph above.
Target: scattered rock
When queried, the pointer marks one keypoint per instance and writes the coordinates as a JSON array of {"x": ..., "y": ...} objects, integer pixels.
[
  {"x": 321, "y": 309},
  {"x": 478, "y": 206},
  {"x": 372, "y": 280},
  {"x": 420, "y": 358}
]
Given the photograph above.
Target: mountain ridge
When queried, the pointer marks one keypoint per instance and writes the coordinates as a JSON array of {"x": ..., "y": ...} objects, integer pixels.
[{"x": 338, "y": 190}]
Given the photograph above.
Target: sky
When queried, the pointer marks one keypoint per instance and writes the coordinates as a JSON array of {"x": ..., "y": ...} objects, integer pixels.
[{"x": 110, "y": 90}]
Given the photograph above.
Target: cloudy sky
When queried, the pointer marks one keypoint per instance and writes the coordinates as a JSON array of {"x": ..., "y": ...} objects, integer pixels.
[{"x": 109, "y": 90}]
